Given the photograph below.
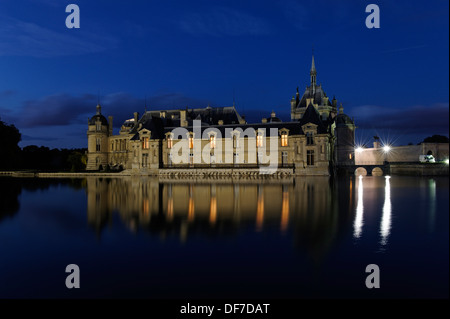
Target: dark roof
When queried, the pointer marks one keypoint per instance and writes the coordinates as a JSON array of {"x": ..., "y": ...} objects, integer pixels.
[
  {"x": 208, "y": 115},
  {"x": 318, "y": 96},
  {"x": 343, "y": 119},
  {"x": 152, "y": 123},
  {"x": 293, "y": 127},
  {"x": 97, "y": 117},
  {"x": 312, "y": 116}
]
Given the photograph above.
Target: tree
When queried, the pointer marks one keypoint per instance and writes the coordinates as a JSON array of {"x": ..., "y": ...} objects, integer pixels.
[
  {"x": 77, "y": 161},
  {"x": 9, "y": 142},
  {"x": 436, "y": 139}
]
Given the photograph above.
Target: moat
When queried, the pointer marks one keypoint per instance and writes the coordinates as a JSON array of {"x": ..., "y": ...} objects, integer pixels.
[{"x": 302, "y": 237}]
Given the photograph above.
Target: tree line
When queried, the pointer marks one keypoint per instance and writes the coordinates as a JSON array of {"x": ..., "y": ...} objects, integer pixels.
[{"x": 33, "y": 157}]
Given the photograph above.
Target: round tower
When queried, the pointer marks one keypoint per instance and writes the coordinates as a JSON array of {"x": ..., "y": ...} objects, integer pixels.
[
  {"x": 345, "y": 139},
  {"x": 98, "y": 133}
]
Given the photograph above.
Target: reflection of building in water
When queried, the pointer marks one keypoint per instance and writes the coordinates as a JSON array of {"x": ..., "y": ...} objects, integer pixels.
[{"x": 308, "y": 206}]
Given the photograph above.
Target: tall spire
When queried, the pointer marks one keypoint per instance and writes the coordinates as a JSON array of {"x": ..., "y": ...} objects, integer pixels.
[{"x": 313, "y": 74}]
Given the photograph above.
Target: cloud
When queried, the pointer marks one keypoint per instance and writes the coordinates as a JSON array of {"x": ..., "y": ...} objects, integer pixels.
[
  {"x": 19, "y": 38},
  {"x": 7, "y": 93},
  {"x": 26, "y": 138},
  {"x": 223, "y": 22},
  {"x": 420, "y": 120},
  {"x": 64, "y": 109}
]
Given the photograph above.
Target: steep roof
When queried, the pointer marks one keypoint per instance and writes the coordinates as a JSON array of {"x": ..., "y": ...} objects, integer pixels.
[{"x": 318, "y": 96}]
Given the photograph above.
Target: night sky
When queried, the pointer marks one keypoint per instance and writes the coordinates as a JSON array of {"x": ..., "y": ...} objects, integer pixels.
[{"x": 393, "y": 80}]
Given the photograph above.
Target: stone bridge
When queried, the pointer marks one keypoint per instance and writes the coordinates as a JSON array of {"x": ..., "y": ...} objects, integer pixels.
[{"x": 365, "y": 169}]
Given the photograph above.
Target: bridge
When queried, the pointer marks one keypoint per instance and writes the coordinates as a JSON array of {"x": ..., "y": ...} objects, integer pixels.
[{"x": 365, "y": 169}]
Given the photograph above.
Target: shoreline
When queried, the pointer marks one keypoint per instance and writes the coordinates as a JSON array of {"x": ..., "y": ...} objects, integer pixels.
[{"x": 395, "y": 169}]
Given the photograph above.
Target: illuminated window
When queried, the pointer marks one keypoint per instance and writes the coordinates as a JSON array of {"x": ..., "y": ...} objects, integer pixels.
[
  {"x": 235, "y": 141},
  {"x": 350, "y": 156},
  {"x": 259, "y": 141},
  {"x": 169, "y": 142},
  {"x": 284, "y": 139},
  {"x": 145, "y": 143},
  {"x": 212, "y": 141},
  {"x": 191, "y": 142},
  {"x": 310, "y": 157},
  {"x": 309, "y": 138}
]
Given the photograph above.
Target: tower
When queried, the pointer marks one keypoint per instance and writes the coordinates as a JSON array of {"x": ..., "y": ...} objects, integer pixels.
[
  {"x": 313, "y": 75},
  {"x": 345, "y": 139},
  {"x": 315, "y": 95},
  {"x": 98, "y": 132}
]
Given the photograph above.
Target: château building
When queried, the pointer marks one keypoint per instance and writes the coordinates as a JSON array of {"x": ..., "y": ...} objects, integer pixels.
[{"x": 317, "y": 137}]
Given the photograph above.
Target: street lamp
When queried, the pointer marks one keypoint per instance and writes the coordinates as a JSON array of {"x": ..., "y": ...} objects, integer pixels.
[{"x": 386, "y": 149}]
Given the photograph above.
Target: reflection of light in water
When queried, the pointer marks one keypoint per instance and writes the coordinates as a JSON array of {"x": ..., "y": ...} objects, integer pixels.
[
  {"x": 170, "y": 203},
  {"x": 432, "y": 189},
  {"x": 387, "y": 209},
  {"x": 146, "y": 207},
  {"x": 213, "y": 210},
  {"x": 170, "y": 209},
  {"x": 358, "y": 223},
  {"x": 191, "y": 204},
  {"x": 260, "y": 209},
  {"x": 191, "y": 209},
  {"x": 285, "y": 211}
]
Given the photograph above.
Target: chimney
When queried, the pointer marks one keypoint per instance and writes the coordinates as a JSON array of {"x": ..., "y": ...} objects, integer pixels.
[
  {"x": 136, "y": 117},
  {"x": 183, "y": 121},
  {"x": 110, "y": 120},
  {"x": 264, "y": 120}
]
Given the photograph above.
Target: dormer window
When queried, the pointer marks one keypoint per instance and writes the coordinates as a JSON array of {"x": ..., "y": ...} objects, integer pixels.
[
  {"x": 284, "y": 139},
  {"x": 145, "y": 143},
  {"x": 309, "y": 138},
  {"x": 98, "y": 126}
]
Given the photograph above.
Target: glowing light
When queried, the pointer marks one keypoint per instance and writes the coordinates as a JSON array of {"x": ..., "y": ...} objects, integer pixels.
[
  {"x": 386, "y": 148},
  {"x": 385, "y": 227},
  {"x": 446, "y": 161},
  {"x": 359, "y": 149},
  {"x": 358, "y": 223}
]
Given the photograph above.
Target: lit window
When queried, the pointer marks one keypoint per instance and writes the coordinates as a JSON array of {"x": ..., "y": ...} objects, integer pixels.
[
  {"x": 310, "y": 157},
  {"x": 284, "y": 139},
  {"x": 169, "y": 142},
  {"x": 212, "y": 141},
  {"x": 145, "y": 143},
  {"x": 191, "y": 142},
  {"x": 235, "y": 141},
  {"x": 259, "y": 141}
]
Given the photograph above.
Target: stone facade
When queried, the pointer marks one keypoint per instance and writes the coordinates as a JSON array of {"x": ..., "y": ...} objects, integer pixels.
[{"x": 220, "y": 138}]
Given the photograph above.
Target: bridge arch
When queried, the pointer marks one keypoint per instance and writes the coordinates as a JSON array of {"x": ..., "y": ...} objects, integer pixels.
[
  {"x": 360, "y": 171},
  {"x": 376, "y": 171}
]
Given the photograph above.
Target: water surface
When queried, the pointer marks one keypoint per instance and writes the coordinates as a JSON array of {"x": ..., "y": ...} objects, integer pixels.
[{"x": 295, "y": 238}]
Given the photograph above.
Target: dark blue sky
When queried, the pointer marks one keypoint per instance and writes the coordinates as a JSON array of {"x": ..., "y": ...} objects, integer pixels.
[{"x": 393, "y": 80}]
